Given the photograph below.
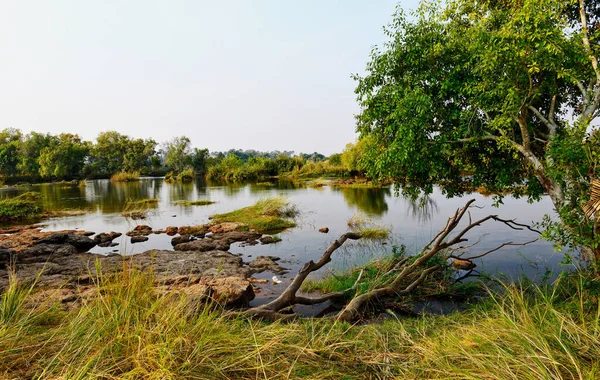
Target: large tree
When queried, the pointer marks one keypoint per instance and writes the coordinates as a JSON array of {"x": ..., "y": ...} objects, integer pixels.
[
  {"x": 496, "y": 92},
  {"x": 64, "y": 157}
]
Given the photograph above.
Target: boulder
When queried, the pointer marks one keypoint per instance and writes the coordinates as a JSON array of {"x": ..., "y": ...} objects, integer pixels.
[
  {"x": 80, "y": 242},
  {"x": 140, "y": 230},
  {"x": 263, "y": 263},
  {"x": 181, "y": 239},
  {"x": 324, "y": 230},
  {"x": 203, "y": 245},
  {"x": 268, "y": 239},
  {"x": 138, "y": 239},
  {"x": 105, "y": 240},
  {"x": 171, "y": 230},
  {"x": 227, "y": 227}
]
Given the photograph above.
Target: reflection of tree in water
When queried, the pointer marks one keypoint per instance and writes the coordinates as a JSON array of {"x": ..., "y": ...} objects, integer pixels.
[
  {"x": 112, "y": 197},
  {"x": 369, "y": 200},
  {"x": 423, "y": 208},
  {"x": 180, "y": 191},
  {"x": 60, "y": 196}
]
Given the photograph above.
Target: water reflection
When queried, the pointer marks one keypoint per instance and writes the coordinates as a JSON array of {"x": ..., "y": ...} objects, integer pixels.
[
  {"x": 422, "y": 209},
  {"x": 368, "y": 200}
]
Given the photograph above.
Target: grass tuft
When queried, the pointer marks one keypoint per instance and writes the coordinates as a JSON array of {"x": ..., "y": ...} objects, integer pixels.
[{"x": 362, "y": 224}]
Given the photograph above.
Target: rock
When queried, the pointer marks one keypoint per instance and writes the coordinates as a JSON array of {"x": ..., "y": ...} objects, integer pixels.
[
  {"x": 461, "y": 264},
  {"x": 171, "y": 230},
  {"x": 227, "y": 227},
  {"x": 269, "y": 239},
  {"x": 324, "y": 230},
  {"x": 140, "y": 230},
  {"x": 158, "y": 232},
  {"x": 197, "y": 231},
  {"x": 227, "y": 291},
  {"x": 105, "y": 240},
  {"x": 80, "y": 242},
  {"x": 263, "y": 263},
  {"x": 203, "y": 245},
  {"x": 138, "y": 239},
  {"x": 5, "y": 256},
  {"x": 237, "y": 236},
  {"x": 181, "y": 239}
]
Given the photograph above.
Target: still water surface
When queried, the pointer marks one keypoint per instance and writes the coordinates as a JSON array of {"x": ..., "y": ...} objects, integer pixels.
[{"x": 321, "y": 207}]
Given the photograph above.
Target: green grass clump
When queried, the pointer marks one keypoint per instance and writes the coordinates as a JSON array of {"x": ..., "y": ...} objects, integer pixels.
[
  {"x": 125, "y": 176},
  {"x": 264, "y": 216},
  {"x": 362, "y": 224},
  {"x": 25, "y": 206},
  {"x": 201, "y": 202},
  {"x": 138, "y": 208}
]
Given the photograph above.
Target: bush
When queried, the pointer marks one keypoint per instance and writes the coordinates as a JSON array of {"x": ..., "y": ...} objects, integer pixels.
[
  {"x": 24, "y": 206},
  {"x": 125, "y": 176}
]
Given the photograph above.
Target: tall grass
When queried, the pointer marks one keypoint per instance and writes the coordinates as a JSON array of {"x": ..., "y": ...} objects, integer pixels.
[
  {"x": 125, "y": 176},
  {"x": 130, "y": 328}
]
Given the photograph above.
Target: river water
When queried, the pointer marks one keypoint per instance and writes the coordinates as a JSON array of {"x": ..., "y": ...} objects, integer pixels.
[{"x": 320, "y": 207}]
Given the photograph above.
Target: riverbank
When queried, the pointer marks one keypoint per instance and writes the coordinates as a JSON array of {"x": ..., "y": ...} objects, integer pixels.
[{"x": 130, "y": 328}]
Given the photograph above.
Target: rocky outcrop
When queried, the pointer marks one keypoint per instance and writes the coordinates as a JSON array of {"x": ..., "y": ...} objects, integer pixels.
[
  {"x": 140, "y": 230},
  {"x": 219, "y": 241},
  {"x": 81, "y": 242},
  {"x": 263, "y": 263},
  {"x": 105, "y": 239}
]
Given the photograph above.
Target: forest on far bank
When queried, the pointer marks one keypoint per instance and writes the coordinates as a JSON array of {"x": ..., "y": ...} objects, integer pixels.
[{"x": 38, "y": 157}]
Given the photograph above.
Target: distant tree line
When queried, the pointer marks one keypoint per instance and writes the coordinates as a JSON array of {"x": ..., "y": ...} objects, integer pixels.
[{"x": 37, "y": 156}]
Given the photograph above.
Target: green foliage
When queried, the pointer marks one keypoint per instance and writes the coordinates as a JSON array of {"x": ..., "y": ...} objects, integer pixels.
[
  {"x": 268, "y": 215},
  {"x": 469, "y": 93},
  {"x": 10, "y": 140},
  {"x": 64, "y": 157},
  {"x": 186, "y": 175},
  {"x": 22, "y": 207},
  {"x": 177, "y": 153}
]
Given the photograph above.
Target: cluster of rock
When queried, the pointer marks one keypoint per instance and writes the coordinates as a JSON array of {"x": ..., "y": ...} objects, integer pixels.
[{"x": 200, "y": 264}]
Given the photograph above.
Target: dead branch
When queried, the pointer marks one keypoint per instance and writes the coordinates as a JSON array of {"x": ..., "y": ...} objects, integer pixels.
[{"x": 403, "y": 279}]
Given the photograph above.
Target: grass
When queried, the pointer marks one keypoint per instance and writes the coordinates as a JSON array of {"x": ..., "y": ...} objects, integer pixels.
[
  {"x": 268, "y": 215},
  {"x": 363, "y": 224},
  {"x": 201, "y": 202},
  {"x": 129, "y": 329},
  {"x": 22, "y": 207},
  {"x": 138, "y": 208},
  {"x": 125, "y": 176}
]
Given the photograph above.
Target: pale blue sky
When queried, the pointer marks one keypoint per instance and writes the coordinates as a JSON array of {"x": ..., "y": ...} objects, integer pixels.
[{"x": 262, "y": 74}]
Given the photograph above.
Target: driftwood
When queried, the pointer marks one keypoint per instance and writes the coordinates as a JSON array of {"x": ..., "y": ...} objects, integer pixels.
[{"x": 407, "y": 279}]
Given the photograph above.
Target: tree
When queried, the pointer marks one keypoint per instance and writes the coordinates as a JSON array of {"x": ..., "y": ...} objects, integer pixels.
[
  {"x": 502, "y": 90},
  {"x": 30, "y": 151},
  {"x": 199, "y": 160},
  {"x": 108, "y": 154},
  {"x": 138, "y": 154},
  {"x": 10, "y": 142},
  {"x": 65, "y": 157},
  {"x": 177, "y": 153}
]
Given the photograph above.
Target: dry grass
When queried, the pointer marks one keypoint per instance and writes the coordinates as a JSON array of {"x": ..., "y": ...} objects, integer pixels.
[{"x": 128, "y": 329}]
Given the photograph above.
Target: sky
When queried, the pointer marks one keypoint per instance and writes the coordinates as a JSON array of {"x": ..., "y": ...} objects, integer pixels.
[{"x": 254, "y": 74}]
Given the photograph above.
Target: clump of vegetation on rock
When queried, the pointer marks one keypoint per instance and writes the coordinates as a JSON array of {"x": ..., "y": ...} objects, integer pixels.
[
  {"x": 268, "y": 215},
  {"x": 25, "y": 206},
  {"x": 200, "y": 202},
  {"x": 125, "y": 176}
]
